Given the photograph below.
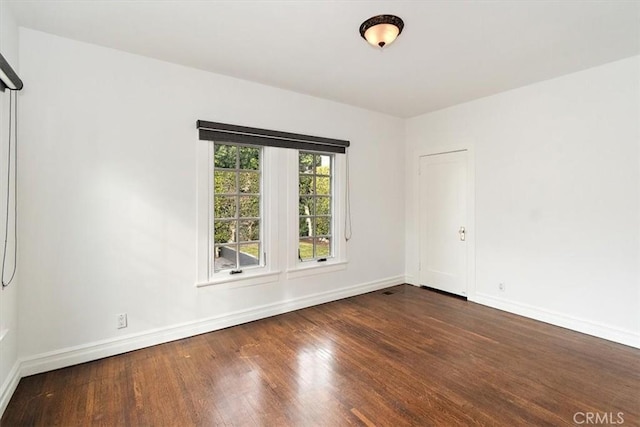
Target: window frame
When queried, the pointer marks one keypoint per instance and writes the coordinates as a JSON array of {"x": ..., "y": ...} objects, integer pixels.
[
  {"x": 280, "y": 220},
  {"x": 295, "y": 267},
  {"x": 265, "y": 272},
  {"x": 314, "y": 216},
  {"x": 237, "y": 218}
]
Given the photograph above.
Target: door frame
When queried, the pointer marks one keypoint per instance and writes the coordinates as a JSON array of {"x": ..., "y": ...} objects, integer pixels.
[{"x": 470, "y": 226}]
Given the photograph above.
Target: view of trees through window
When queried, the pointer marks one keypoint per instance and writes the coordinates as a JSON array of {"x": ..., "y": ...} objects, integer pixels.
[
  {"x": 315, "y": 172},
  {"x": 237, "y": 201}
]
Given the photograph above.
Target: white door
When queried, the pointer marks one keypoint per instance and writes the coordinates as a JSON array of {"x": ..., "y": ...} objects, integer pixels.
[{"x": 442, "y": 222}]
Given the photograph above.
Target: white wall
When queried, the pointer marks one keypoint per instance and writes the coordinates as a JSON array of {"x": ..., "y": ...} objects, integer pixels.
[
  {"x": 108, "y": 177},
  {"x": 9, "y": 295},
  {"x": 557, "y": 178}
]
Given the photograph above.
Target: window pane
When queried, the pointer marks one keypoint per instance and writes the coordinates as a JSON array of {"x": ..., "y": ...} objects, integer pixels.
[
  {"x": 323, "y": 247},
  {"x": 224, "y": 231},
  {"x": 323, "y": 226},
  {"x": 225, "y": 156},
  {"x": 224, "y": 257},
  {"x": 323, "y": 185},
  {"x": 249, "y": 255},
  {"x": 249, "y": 182},
  {"x": 323, "y": 205},
  {"x": 306, "y": 248},
  {"x": 224, "y": 207},
  {"x": 306, "y": 163},
  {"x": 224, "y": 182},
  {"x": 306, "y": 206},
  {"x": 323, "y": 165},
  {"x": 249, "y": 206},
  {"x": 306, "y": 184},
  {"x": 249, "y": 230},
  {"x": 249, "y": 158},
  {"x": 306, "y": 227},
  {"x": 314, "y": 205},
  {"x": 236, "y": 202}
]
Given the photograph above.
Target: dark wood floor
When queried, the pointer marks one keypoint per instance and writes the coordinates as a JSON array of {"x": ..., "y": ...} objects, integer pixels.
[{"x": 414, "y": 357}]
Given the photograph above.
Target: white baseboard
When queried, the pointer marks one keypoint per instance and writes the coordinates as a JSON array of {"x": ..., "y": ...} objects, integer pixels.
[
  {"x": 9, "y": 386},
  {"x": 411, "y": 280},
  {"x": 96, "y": 350},
  {"x": 599, "y": 330}
]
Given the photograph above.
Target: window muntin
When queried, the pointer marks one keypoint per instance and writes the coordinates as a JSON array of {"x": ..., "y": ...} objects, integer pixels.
[
  {"x": 315, "y": 206},
  {"x": 237, "y": 207}
]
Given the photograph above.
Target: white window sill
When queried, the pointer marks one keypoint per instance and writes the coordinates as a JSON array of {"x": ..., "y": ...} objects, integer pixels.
[
  {"x": 239, "y": 280},
  {"x": 303, "y": 270}
]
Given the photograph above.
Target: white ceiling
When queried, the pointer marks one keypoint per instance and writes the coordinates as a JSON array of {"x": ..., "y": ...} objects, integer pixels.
[{"x": 449, "y": 52}]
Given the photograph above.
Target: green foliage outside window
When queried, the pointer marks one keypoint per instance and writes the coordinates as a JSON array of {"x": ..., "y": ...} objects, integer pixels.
[
  {"x": 314, "y": 205},
  {"x": 236, "y": 203}
]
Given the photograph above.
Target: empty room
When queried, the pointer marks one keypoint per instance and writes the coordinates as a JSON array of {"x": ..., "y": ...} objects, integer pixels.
[{"x": 319, "y": 213}]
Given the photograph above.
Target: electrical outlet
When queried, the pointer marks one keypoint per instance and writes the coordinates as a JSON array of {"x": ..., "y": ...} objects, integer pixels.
[
  {"x": 502, "y": 287},
  {"x": 122, "y": 320}
]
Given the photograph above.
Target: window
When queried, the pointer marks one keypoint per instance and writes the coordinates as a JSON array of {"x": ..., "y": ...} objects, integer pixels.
[
  {"x": 237, "y": 207},
  {"x": 315, "y": 206},
  {"x": 268, "y": 203}
]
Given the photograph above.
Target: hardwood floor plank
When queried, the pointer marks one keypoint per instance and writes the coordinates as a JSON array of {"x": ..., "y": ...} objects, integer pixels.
[{"x": 410, "y": 358}]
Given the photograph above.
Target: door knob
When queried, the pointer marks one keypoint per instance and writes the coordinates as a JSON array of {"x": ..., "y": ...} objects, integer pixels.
[{"x": 462, "y": 232}]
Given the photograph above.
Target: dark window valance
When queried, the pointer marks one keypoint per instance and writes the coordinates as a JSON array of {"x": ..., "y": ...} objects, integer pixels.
[{"x": 223, "y": 132}]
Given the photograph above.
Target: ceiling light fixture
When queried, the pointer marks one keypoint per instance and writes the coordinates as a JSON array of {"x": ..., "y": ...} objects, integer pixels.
[{"x": 381, "y": 30}]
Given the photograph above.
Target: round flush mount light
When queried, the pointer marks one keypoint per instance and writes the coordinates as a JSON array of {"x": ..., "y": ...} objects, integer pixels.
[{"x": 381, "y": 30}]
